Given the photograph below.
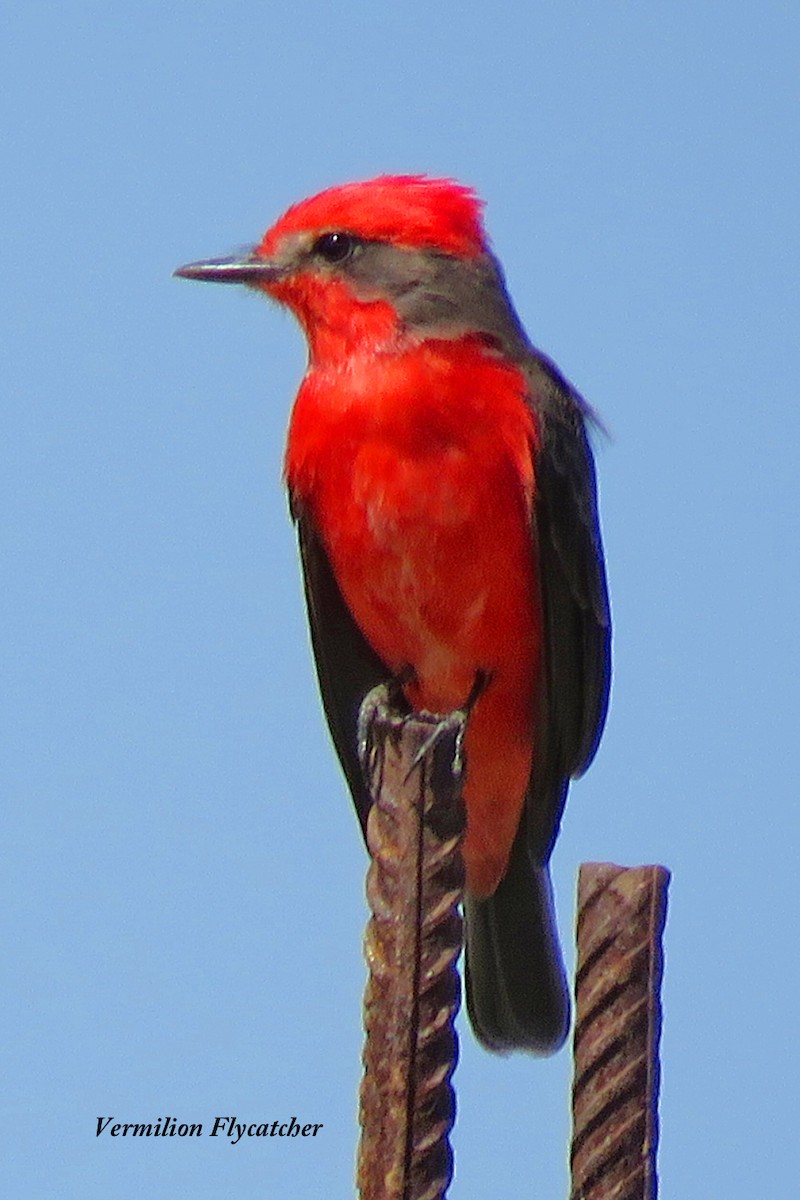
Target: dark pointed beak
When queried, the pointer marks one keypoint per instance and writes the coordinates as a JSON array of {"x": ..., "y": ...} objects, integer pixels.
[{"x": 246, "y": 269}]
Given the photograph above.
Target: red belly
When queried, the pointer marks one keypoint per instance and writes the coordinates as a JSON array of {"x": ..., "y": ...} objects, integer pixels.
[
  {"x": 419, "y": 478},
  {"x": 435, "y": 561}
]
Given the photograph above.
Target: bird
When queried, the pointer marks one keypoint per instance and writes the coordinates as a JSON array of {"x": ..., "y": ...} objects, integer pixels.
[{"x": 442, "y": 481}]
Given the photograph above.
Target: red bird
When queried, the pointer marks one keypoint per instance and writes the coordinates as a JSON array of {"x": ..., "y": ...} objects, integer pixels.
[{"x": 441, "y": 478}]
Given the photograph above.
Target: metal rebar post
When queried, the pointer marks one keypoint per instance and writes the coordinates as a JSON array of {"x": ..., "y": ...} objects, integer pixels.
[
  {"x": 413, "y": 940},
  {"x": 621, "y": 915}
]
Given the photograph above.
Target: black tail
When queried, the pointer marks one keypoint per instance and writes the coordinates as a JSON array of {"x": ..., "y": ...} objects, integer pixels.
[{"x": 517, "y": 995}]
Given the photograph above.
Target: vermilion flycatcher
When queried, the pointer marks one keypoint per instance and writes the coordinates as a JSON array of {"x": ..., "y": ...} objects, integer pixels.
[{"x": 443, "y": 486}]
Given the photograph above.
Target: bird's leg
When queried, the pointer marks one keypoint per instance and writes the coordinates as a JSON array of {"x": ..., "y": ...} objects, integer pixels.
[
  {"x": 384, "y": 701},
  {"x": 479, "y": 685},
  {"x": 454, "y": 723},
  {"x": 441, "y": 747}
]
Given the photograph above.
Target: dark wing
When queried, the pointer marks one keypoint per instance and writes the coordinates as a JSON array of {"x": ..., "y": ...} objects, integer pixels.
[
  {"x": 577, "y": 620},
  {"x": 347, "y": 667},
  {"x": 440, "y": 295},
  {"x": 517, "y": 992}
]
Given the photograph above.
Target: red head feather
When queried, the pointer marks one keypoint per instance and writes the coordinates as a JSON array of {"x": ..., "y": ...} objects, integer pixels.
[{"x": 407, "y": 210}]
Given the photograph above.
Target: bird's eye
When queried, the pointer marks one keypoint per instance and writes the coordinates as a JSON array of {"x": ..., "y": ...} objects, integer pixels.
[{"x": 334, "y": 247}]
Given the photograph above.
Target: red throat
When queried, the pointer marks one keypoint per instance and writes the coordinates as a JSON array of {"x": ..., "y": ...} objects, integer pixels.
[
  {"x": 407, "y": 211},
  {"x": 336, "y": 324}
]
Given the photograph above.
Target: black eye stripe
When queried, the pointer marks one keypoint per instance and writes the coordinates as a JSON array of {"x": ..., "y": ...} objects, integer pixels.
[{"x": 334, "y": 247}]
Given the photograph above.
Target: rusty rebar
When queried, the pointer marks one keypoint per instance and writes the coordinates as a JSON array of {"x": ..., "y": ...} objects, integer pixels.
[
  {"x": 621, "y": 915},
  {"x": 413, "y": 940}
]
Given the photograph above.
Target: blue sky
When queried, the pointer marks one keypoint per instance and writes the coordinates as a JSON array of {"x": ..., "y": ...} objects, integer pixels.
[{"x": 182, "y": 893}]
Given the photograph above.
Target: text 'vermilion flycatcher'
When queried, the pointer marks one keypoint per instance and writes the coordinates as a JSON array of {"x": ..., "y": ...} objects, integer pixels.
[{"x": 441, "y": 478}]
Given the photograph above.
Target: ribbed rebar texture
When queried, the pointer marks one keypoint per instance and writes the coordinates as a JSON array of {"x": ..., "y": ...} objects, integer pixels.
[
  {"x": 621, "y": 915},
  {"x": 413, "y": 939}
]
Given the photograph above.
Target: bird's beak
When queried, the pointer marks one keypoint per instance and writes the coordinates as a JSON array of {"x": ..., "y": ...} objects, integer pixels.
[{"x": 248, "y": 268}]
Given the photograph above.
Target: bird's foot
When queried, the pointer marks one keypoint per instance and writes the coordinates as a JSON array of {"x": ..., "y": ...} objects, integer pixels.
[
  {"x": 384, "y": 702},
  {"x": 452, "y": 725},
  {"x": 443, "y": 738},
  {"x": 439, "y": 739}
]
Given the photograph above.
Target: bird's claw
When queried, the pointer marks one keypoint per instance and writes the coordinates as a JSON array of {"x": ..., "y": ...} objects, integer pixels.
[
  {"x": 383, "y": 702},
  {"x": 387, "y": 700},
  {"x": 376, "y": 704},
  {"x": 453, "y": 725}
]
